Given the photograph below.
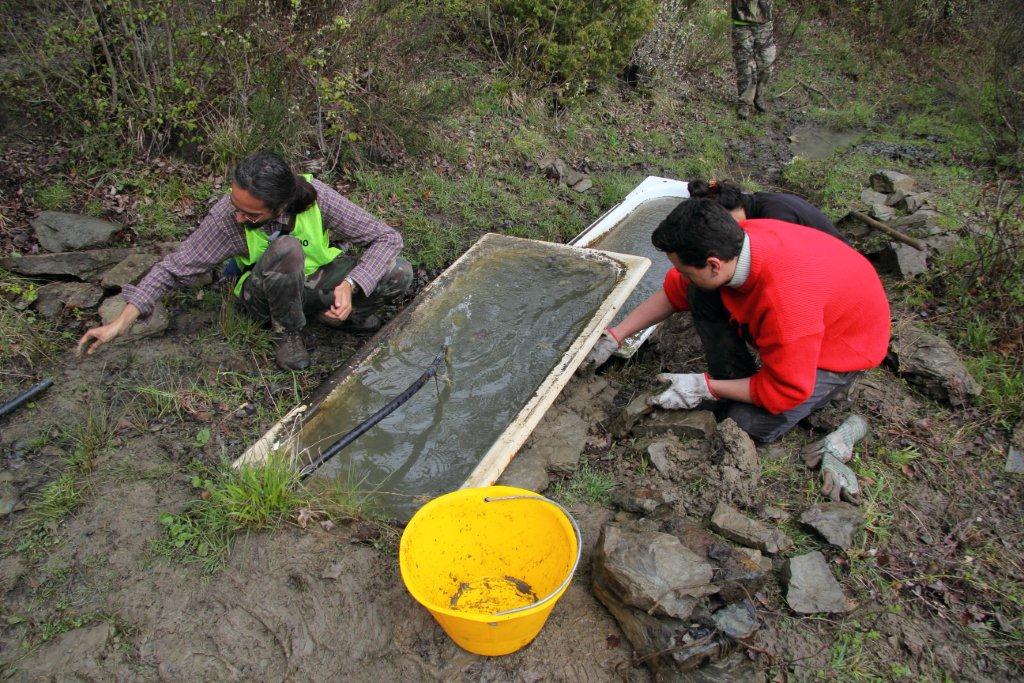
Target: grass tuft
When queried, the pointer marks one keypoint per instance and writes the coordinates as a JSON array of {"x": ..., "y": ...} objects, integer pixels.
[{"x": 586, "y": 486}]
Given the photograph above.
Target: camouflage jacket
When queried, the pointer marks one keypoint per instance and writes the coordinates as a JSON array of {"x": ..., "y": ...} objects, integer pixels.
[{"x": 751, "y": 11}]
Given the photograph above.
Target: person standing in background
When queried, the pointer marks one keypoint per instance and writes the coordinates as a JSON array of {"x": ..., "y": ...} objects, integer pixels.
[{"x": 753, "y": 48}]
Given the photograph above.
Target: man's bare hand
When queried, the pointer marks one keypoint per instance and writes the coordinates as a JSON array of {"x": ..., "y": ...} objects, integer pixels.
[
  {"x": 98, "y": 336},
  {"x": 342, "y": 307}
]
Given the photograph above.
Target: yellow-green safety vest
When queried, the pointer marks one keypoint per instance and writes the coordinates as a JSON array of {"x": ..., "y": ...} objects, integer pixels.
[{"x": 309, "y": 230}]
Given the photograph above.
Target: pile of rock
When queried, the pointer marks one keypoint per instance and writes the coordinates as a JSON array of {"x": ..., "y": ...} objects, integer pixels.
[
  {"x": 557, "y": 169},
  {"x": 684, "y": 594},
  {"x": 893, "y": 198},
  {"x": 86, "y": 279}
]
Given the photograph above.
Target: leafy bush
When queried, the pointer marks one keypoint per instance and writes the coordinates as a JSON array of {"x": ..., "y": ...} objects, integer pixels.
[
  {"x": 226, "y": 77},
  {"x": 688, "y": 36},
  {"x": 572, "y": 43}
]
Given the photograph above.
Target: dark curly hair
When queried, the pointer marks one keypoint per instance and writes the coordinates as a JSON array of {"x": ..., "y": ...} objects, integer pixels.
[
  {"x": 728, "y": 193},
  {"x": 270, "y": 179},
  {"x": 698, "y": 229}
]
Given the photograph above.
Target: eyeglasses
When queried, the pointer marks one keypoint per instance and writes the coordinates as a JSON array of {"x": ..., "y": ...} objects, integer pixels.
[{"x": 248, "y": 215}]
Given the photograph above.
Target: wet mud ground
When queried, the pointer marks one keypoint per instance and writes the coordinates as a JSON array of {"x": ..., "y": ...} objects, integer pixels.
[
  {"x": 307, "y": 604},
  {"x": 936, "y": 578}
]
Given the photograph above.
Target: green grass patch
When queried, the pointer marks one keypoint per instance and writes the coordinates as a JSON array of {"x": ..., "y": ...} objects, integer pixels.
[
  {"x": 26, "y": 338},
  {"x": 53, "y": 197},
  {"x": 36, "y": 532},
  {"x": 244, "y": 335},
  {"x": 586, "y": 485},
  {"x": 243, "y": 499},
  {"x": 441, "y": 216},
  {"x": 232, "y": 500},
  {"x": 90, "y": 437}
]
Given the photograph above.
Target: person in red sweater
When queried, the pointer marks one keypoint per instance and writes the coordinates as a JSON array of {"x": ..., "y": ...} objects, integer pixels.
[{"x": 812, "y": 306}]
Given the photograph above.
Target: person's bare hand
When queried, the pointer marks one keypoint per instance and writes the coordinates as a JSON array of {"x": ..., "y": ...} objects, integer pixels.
[
  {"x": 342, "y": 307},
  {"x": 97, "y": 337}
]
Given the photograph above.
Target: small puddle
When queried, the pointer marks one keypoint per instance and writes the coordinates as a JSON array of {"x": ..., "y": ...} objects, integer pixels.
[{"x": 820, "y": 142}]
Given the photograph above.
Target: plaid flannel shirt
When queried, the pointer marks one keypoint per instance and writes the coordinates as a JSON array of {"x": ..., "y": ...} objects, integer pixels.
[{"x": 219, "y": 237}]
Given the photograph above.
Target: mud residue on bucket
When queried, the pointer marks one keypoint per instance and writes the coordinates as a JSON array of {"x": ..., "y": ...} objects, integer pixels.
[{"x": 493, "y": 595}]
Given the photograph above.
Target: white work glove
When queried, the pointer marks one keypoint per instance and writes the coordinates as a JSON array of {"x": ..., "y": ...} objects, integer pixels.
[
  {"x": 685, "y": 391},
  {"x": 839, "y": 443},
  {"x": 838, "y": 481},
  {"x": 602, "y": 351}
]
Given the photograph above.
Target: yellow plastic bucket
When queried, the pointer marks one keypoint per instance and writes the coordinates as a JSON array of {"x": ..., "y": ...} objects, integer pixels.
[{"x": 490, "y": 563}]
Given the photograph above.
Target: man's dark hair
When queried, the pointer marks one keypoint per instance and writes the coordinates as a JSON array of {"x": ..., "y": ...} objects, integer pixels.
[
  {"x": 698, "y": 229},
  {"x": 268, "y": 177},
  {"x": 728, "y": 193}
]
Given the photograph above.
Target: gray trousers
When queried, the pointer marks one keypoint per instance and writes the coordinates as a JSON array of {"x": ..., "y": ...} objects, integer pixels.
[
  {"x": 764, "y": 427},
  {"x": 725, "y": 346}
]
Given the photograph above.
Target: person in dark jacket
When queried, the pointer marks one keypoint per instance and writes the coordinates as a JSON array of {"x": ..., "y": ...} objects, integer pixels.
[{"x": 777, "y": 205}]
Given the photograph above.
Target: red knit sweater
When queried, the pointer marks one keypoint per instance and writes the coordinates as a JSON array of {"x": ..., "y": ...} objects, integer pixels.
[{"x": 810, "y": 302}]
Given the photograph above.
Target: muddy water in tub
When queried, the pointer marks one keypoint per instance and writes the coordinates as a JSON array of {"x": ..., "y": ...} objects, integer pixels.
[
  {"x": 508, "y": 315},
  {"x": 632, "y": 235}
]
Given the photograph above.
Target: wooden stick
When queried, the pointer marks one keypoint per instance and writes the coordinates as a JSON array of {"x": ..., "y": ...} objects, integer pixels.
[{"x": 891, "y": 232}]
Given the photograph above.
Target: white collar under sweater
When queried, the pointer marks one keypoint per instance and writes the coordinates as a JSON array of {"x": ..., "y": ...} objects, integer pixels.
[{"x": 742, "y": 265}]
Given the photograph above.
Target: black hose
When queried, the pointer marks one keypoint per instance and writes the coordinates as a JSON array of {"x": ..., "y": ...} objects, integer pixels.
[
  {"x": 369, "y": 422},
  {"x": 25, "y": 396}
]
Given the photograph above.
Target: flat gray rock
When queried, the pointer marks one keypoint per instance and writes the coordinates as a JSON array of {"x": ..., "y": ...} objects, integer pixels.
[
  {"x": 837, "y": 523},
  {"x": 653, "y": 571},
  {"x": 642, "y": 500},
  {"x": 662, "y": 452},
  {"x": 624, "y": 422},
  {"x": 900, "y": 259},
  {"x": 526, "y": 471},
  {"x": 920, "y": 220},
  {"x": 128, "y": 271},
  {"x": 155, "y": 324},
  {"x": 698, "y": 424},
  {"x": 54, "y": 297},
  {"x": 559, "y": 440},
  {"x": 752, "y": 533},
  {"x": 930, "y": 363},
  {"x": 83, "y": 265},
  {"x": 870, "y": 197},
  {"x": 881, "y": 212},
  {"x": 583, "y": 185},
  {"x": 737, "y": 620},
  {"x": 888, "y": 182},
  {"x": 58, "y": 231},
  {"x": 1014, "y": 461},
  {"x": 811, "y": 588},
  {"x": 914, "y": 202}
]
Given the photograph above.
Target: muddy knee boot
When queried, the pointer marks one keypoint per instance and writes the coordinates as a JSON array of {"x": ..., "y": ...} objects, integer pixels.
[
  {"x": 837, "y": 444},
  {"x": 290, "y": 353}
]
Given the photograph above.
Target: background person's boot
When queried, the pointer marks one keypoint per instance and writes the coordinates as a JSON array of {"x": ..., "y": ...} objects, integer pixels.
[{"x": 290, "y": 353}]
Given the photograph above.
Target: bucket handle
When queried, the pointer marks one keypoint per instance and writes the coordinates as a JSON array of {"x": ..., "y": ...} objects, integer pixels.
[{"x": 575, "y": 565}]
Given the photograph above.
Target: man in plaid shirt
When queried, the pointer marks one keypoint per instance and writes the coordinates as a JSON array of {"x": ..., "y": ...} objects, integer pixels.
[{"x": 276, "y": 225}]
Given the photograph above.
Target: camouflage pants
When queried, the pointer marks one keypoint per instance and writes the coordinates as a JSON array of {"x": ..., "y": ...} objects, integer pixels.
[
  {"x": 753, "y": 49},
  {"x": 278, "y": 291}
]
